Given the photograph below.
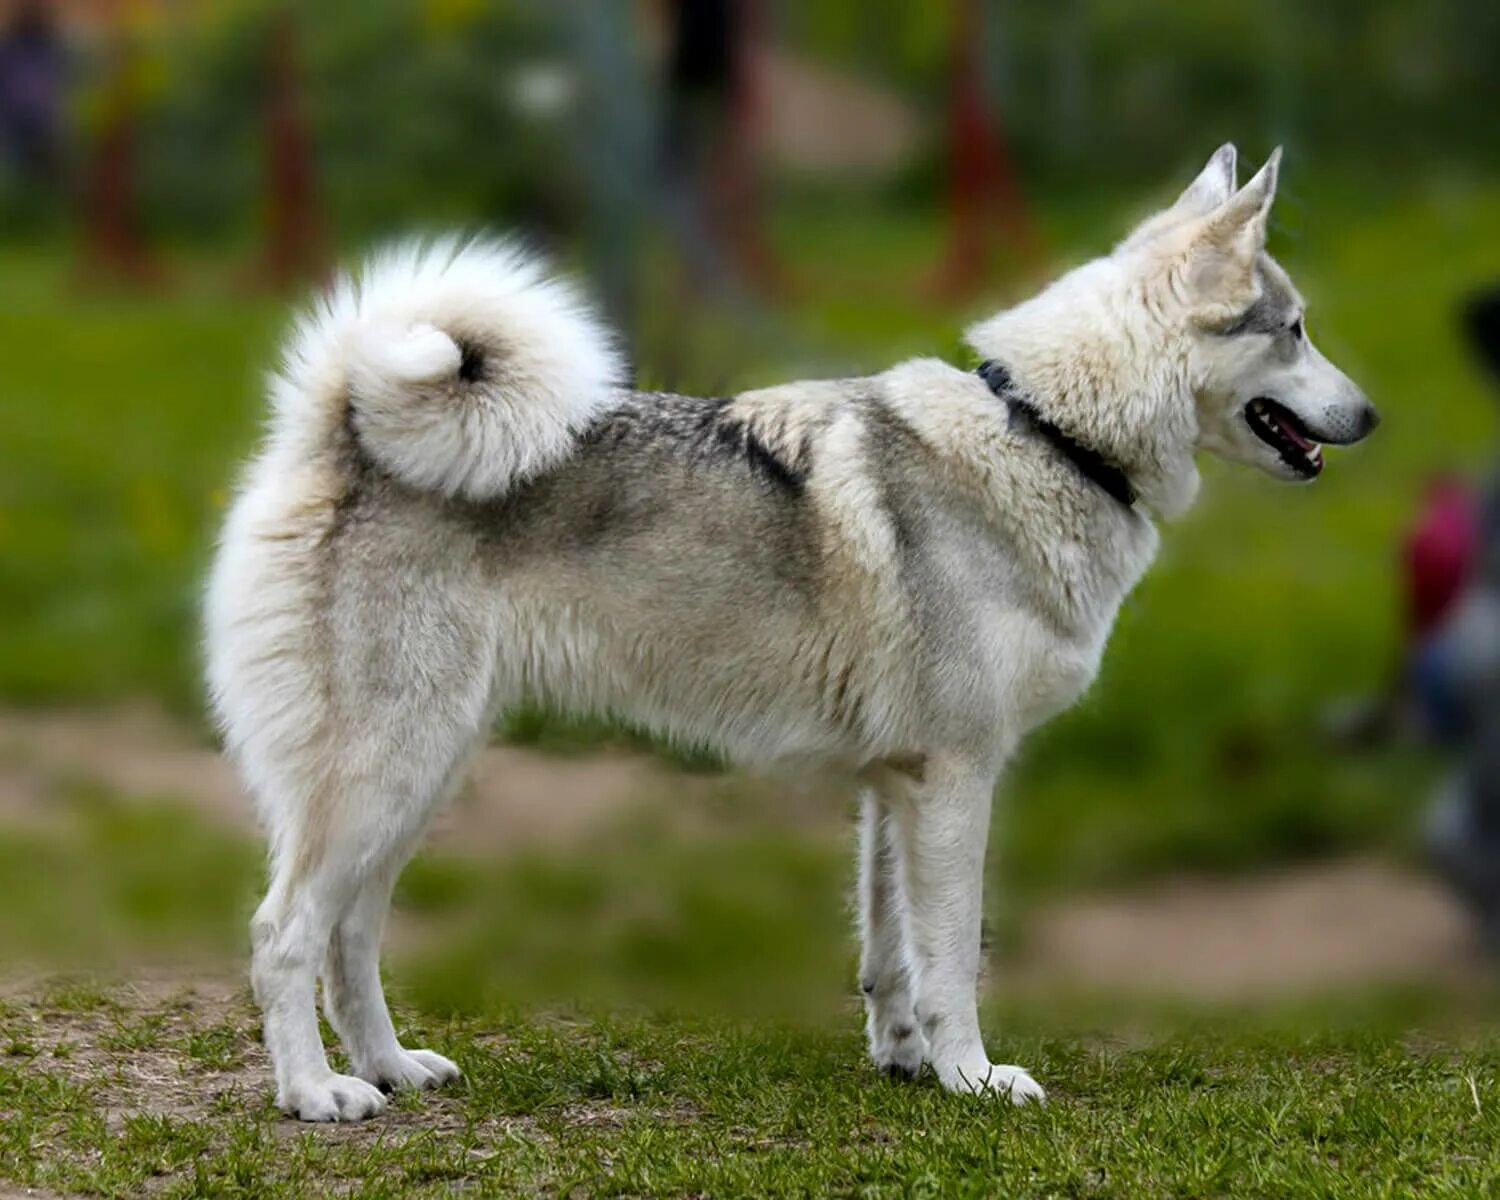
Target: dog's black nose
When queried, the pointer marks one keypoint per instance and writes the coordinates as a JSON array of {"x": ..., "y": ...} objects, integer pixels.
[{"x": 1344, "y": 424}]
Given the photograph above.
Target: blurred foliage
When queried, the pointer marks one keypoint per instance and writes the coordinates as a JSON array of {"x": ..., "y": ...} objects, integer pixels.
[
  {"x": 410, "y": 106},
  {"x": 1098, "y": 90},
  {"x": 435, "y": 111}
]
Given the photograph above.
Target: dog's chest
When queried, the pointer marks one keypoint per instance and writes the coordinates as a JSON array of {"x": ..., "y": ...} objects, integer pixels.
[{"x": 1050, "y": 675}]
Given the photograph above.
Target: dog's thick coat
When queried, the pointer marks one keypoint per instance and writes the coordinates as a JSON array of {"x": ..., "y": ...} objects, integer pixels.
[{"x": 459, "y": 506}]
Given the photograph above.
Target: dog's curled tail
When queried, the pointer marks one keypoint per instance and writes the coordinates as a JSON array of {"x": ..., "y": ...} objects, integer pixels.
[{"x": 462, "y": 366}]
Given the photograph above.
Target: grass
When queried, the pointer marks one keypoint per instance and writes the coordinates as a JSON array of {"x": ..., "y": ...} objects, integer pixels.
[
  {"x": 650, "y": 1105},
  {"x": 751, "y": 921},
  {"x": 667, "y": 1011}
]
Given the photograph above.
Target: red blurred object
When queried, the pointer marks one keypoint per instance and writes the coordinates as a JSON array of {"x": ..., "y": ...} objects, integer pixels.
[
  {"x": 983, "y": 195},
  {"x": 295, "y": 246},
  {"x": 1440, "y": 553},
  {"x": 114, "y": 249}
]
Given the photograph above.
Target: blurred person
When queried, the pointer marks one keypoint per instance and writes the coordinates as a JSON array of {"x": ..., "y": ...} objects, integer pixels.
[
  {"x": 1454, "y": 558},
  {"x": 1438, "y": 562},
  {"x": 32, "y": 76},
  {"x": 709, "y": 136}
]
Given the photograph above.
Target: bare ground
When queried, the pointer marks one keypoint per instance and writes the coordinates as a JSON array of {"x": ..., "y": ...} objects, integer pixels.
[
  {"x": 1324, "y": 925},
  {"x": 1336, "y": 924}
]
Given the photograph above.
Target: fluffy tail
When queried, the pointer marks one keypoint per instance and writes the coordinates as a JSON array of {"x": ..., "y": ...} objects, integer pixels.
[{"x": 464, "y": 368}]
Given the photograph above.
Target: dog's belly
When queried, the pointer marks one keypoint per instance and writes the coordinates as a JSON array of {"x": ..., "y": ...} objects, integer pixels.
[{"x": 761, "y": 684}]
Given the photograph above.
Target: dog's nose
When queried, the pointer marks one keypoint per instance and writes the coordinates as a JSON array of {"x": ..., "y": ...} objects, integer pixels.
[{"x": 1344, "y": 423}]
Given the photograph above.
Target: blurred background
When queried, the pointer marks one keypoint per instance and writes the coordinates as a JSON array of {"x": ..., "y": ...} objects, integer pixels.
[{"x": 756, "y": 190}]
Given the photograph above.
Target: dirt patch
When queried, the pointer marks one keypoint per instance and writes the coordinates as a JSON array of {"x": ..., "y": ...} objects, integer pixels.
[
  {"x": 1317, "y": 927},
  {"x": 135, "y": 752},
  {"x": 515, "y": 799}
]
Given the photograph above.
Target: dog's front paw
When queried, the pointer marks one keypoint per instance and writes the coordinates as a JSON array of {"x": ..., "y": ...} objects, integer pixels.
[
  {"x": 897, "y": 1047},
  {"x": 330, "y": 1097},
  {"x": 410, "y": 1068},
  {"x": 998, "y": 1079}
]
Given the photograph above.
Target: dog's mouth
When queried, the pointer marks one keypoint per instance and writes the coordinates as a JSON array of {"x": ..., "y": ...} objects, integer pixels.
[{"x": 1279, "y": 428}]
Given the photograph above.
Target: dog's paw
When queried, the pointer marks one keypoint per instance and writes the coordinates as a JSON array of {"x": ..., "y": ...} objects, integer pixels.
[
  {"x": 411, "y": 1068},
  {"x": 897, "y": 1048},
  {"x": 1014, "y": 1083},
  {"x": 331, "y": 1098}
]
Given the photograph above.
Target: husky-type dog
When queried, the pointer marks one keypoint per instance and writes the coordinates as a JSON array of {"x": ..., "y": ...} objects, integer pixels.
[{"x": 460, "y": 504}]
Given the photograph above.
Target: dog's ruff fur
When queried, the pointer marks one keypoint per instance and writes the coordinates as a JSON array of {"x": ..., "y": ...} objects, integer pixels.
[{"x": 458, "y": 505}]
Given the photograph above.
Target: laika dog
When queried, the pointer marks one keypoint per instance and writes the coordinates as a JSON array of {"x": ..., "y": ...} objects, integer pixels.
[{"x": 460, "y": 503}]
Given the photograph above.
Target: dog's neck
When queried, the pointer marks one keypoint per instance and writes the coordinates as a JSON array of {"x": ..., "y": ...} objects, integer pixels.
[
  {"x": 1087, "y": 461},
  {"x": 1113, "y": 387}
]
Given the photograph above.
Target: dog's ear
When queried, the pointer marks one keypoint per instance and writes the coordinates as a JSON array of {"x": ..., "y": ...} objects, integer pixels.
[
  {"x": 1226, "y": 245},
  {"x": 1214, "y": 185},
  {"x": 1240, "y": 222}
]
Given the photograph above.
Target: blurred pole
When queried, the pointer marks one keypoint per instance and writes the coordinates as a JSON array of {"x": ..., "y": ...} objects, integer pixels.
[
  {"x": 295, "y": 247},
  {"x": 983, "y": 198},
  {"x": 616, "y": 142},
  {"x": 736, "y": 173},
  {"x": 113, "y": 246},
  {"x": 1070, "y": 81}
]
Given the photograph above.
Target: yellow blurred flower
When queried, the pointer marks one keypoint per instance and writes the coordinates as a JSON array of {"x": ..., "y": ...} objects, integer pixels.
[{"x": 451, "y": 16}]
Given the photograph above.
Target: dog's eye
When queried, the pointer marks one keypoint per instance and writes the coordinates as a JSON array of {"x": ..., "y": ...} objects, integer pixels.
[{"x": 1296, "y": 330}]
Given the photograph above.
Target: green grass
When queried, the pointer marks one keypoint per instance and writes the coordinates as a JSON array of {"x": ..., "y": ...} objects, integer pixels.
[
  {"x": 604, "y": 1106},
  {"x": 666, "y": 1010},
  {"x": 750, "y": 921},
  {"x": 122, "y": 425}
]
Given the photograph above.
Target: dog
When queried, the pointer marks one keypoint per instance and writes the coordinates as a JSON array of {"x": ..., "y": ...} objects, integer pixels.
[{"x": 460, "y": 504}]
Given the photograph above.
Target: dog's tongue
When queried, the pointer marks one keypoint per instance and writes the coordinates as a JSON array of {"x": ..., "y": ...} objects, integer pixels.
[{"x": 1287, "y": 428}]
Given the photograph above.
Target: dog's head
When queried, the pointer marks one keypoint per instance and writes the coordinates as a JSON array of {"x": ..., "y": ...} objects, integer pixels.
[{"x": 1263, "y": 393}]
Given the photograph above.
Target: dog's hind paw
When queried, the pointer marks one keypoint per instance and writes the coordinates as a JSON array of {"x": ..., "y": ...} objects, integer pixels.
[
  {"x": 898, "y": 1049},
  {"x": 998, "y": 1079},
  {"x": 411, "y": 1068},
  {"x": 331, "y": 1098}
]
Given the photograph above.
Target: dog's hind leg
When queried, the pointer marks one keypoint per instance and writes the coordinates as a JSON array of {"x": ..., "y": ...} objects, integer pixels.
[
  {"x": 332, "y": 875},
  {"x": 349, "y": 803},
  {"x": 896, "y": 1043},
  {"x": 354, "y": 999},
  {"x": 289, "y": 935}
]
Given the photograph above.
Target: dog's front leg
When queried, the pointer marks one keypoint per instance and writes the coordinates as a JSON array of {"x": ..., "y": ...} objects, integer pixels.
[{"x": 943, "y": 823}]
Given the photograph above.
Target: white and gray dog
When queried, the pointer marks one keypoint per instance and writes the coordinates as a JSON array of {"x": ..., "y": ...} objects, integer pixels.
[{"x": 459, "y": 504}]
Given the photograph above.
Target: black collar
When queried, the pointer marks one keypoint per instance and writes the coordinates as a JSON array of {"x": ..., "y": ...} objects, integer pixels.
[{"x": 1089, "y": 461}]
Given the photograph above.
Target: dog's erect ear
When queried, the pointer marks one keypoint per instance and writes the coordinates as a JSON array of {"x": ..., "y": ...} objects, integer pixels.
[
  {"x": 1226, "y": 246},
  {"x": 1240, "y": 222},
  {"x": 1214, "y": 185}
]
